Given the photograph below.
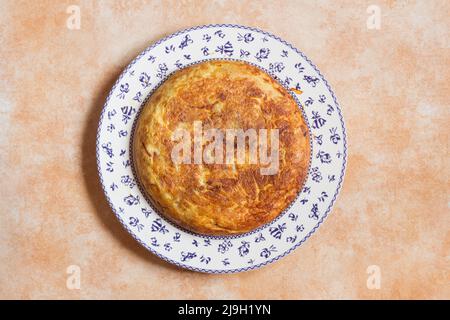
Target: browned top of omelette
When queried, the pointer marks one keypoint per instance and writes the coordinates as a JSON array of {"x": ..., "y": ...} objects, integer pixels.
[{"x": 227, "y": 198}]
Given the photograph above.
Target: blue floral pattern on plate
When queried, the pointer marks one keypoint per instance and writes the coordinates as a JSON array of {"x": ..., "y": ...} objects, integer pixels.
[{"x": 238, "y": 253}]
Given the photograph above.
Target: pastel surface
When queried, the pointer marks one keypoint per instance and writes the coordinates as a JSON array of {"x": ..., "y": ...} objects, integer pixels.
[{"x": 393, "y": 210}]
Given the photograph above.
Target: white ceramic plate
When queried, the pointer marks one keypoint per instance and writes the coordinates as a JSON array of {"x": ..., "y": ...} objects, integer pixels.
[{"x": 233, "y": 253}]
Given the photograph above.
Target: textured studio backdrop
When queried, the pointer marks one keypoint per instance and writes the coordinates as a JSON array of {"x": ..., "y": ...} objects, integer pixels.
[{"x": 388, "y": 233}]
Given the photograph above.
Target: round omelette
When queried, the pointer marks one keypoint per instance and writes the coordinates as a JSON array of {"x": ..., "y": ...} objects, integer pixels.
[{"x": 219, "y": 193}]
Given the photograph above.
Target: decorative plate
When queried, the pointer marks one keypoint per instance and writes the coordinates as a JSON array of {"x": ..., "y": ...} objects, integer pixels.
[{"x": 224, "y": 254}]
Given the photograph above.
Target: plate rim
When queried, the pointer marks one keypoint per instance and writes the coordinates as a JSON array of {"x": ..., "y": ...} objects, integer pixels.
[{"x": 222, "y": 271}]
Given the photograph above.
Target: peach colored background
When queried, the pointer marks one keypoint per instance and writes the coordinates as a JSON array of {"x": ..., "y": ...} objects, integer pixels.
[{"x": 393, "y": 85}]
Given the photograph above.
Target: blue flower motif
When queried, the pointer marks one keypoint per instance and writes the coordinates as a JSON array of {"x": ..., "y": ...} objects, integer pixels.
[
  {"x": 311, "y": 80},
  {"x": 226, "y": 49},
  {"x": 291, "y": 239},
  {"x": 267, "y": 252},
  {"x": 170, "y": 48},
  {"x": 146, "y": 212},
  {"x": 123, "y": 133},
  {"x": 334, "y": 137},
  {"x": 205, "y": 51},
  {"x": 316, "y": 175},
  {"x": 323, "y": 196},
  {"x": 263, "y": 53},
  {"x": 109, "y": 166},
  {"x": 111, "y": 114},
  {"x": 244, "y": 54},
  {"x": 178, "y": 64},
  {"x": 330, "y": 110},
  {"x": 260, "y": 238},
  {"x": 276, "y": 67},
  {"x": 299, "y": 67},
  {"x": 134, "y": 222},
  {"x": 158, "y": 226},
  {"x": 110, "y": 128},
  {"x": 244, "y": 249},
  {"x": 206, "y": 37},
  {"x": 324, "y": 157},
  {"x": 277, "y": 231},
  {"x": 144, "y": 79},
  {"x": 126, "y": 163},
  {"x": 131, "y": 200},
  {"x": 314, "y": 212},
  {"x": 177, "y": 237},
  {"x": 162, "y": 70},
  {"x": 205, "y": 260},
  {"x": 224, "y": 246},
  {"x": 318, "y": 139},
  {"x": 138, "y": 96},
  {"x": 185, "y": 42},
  {"x": 187, "y": 255},
  {"x": 127, "y": 112},
  {"x": 123, "y": 90},
  {"x": 108, "y": 149},
  {"x": 309, "y": 101},
  {"x": 318, "y": 121},
  {"x": 128, "y": 181},
  {"x": 287, "y": 81},
  {"x": 154, "y": 242},
  {"x": 220, "y": 34},
  {"x": 246, "y": 37}
]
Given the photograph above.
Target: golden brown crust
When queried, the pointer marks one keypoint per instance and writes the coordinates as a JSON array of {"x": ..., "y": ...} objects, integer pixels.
[{"x": 220, "y": 199}]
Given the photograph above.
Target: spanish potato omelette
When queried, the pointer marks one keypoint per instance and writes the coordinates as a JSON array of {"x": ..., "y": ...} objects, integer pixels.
[{"x": 220, "y": 199}]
